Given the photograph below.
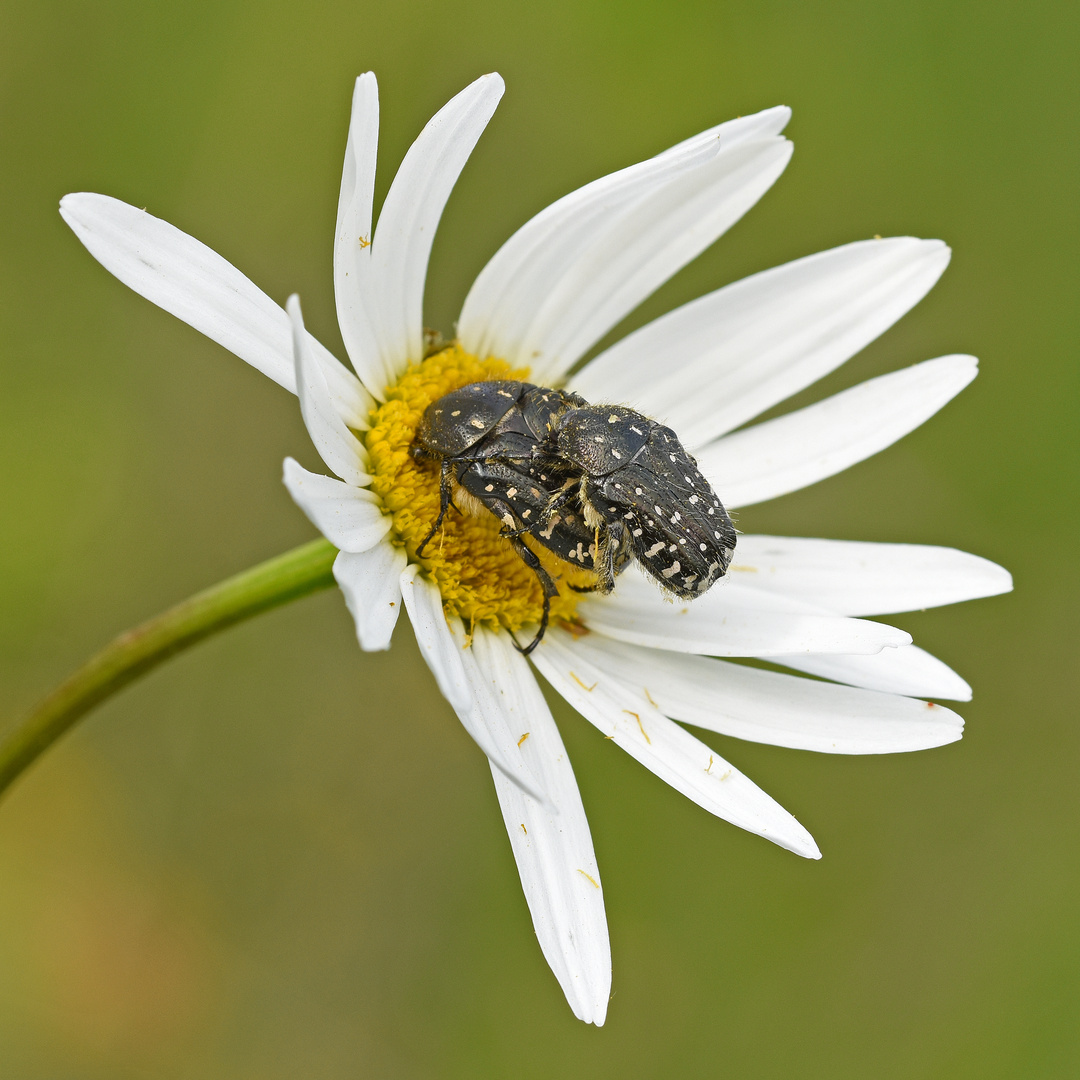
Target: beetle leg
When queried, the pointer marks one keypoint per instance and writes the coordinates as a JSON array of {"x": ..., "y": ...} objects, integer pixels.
[
  {"x": 526, "y": 530},
  {"x": 444, "y": 503},
  {"x": 566, "y": 492},
  {"x": 547, "y": 586},
  {"x": 562, "y": 496},
  {"x": 511, "y": 534},
  {"x": 608, "y": 560}
]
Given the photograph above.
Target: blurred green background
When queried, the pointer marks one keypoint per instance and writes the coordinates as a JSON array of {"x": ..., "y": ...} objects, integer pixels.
[{"x": 280, "y": 858}]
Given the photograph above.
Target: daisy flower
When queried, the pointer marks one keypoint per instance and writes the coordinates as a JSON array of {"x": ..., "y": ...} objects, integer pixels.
[{"x": 634, "y": 664}]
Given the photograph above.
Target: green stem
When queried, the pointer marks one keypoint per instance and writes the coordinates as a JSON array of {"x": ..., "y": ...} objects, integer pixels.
[{"x": 303, "y": 570}]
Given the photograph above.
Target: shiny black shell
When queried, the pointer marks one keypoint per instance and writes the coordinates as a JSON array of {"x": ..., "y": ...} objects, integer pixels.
[
  {"x": 639, "y": 482},
  {"x": 489, "y": 434},
  {"x": 596, "y": 484}
]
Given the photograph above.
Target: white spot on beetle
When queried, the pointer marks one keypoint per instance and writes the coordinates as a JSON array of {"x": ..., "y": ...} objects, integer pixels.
[
  {"x": 654, "y": 550},
  {"x": 546, "y": 533},
  {"x": 672, "y": 570}
]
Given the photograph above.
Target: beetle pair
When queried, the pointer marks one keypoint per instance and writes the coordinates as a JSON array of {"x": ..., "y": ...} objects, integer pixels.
[{"x": 595, "y": 484}]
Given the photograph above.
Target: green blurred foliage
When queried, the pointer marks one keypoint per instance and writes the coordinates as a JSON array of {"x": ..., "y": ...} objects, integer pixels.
[{"x": 280, "y": 858}]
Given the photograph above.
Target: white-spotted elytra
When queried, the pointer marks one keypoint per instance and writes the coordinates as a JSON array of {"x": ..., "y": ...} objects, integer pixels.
[{"x": 596, "y": 485}]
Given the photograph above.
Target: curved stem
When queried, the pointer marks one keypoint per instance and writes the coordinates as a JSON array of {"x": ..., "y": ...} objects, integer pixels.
[{"x": 303, "y": 570}]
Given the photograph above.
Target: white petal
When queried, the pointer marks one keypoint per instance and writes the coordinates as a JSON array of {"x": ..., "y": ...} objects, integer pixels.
[
  {"x": 351, "y": 518},
  {"x": 507, "y": 292},
  {"x": 757, "y": 125},
  {"x": 352, "y": 241},
  {"x": 908, "y": 670},
  {"x": 729, "y": 620},
  {"x": 668, "y": 750},
  {"x": 393, "y": 273},
  {"x": 782, "y": 710},
  {"x": 749, "y": 345},
  {"x": 370, "y": 582},
  {"x": 337, "y": 445},
  {"x": 853, "y": 578},
  {"x": 805, "y": 446},
  {"x": 554, "y": 851},
  {"x": 648, "y": 242},
  {"x": 443, "y": 644},
  {"x": 424, "y": 604},
  {"x": 194, "y": 283}
]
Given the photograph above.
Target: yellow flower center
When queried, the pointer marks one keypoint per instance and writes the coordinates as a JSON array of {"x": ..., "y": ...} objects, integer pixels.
[{"x": 480, "y": 576}]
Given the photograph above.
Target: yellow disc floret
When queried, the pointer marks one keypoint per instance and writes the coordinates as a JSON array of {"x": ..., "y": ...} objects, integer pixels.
[{"x": 480, "y": 576}]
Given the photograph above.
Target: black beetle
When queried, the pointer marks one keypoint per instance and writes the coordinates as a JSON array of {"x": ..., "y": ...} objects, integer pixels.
[
  {"x": 596, "y": 484},
  {"x": 638, "y": 487},
  {"x": 485, "y": 436}
]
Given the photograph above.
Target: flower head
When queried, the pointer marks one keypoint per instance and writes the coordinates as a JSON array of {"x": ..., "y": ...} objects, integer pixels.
[{"x": 631, "y": 662}]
